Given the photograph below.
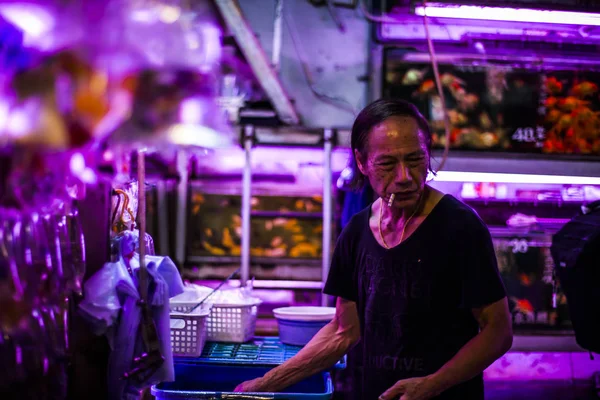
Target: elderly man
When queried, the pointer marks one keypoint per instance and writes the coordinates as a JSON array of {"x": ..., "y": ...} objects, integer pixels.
[{"x": 419, "y": 298}]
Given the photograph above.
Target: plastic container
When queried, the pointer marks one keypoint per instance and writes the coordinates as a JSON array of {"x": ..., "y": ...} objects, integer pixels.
[
  {"x": 228, "y": 322},
  {"x": 188, "y": 332},
  {"x": 298, "y": 325},
  {"x": 261, "y": 351},
  {"x": 201, "y": 381}
]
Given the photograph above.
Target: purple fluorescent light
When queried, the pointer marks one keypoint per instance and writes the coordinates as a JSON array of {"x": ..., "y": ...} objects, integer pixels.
[
  {"x": 456, "y": 176},
  {"x": 508, "y": 14}
]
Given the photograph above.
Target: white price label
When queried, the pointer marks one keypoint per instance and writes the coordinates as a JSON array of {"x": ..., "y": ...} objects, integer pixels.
[
  {"x": 529, "y": 134},
  {"x": 519, "y": 246}
]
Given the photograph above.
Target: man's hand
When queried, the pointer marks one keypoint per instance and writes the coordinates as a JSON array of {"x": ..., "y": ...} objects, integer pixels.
[
  {"x": 257, "y": 385},
  {"x": 410, "y": 389}
]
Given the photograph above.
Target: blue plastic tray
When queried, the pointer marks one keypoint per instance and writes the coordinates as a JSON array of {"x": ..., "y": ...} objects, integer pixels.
[
  {"x": 203, "y": 381},
  {"x": 262, "y": 351}
]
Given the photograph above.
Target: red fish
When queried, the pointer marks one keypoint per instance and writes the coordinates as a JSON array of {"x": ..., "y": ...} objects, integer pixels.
[
  {"x": 584, "y": 89},
  {"x": 553, "y": 85},
  {"x": 523, "y": 306}
]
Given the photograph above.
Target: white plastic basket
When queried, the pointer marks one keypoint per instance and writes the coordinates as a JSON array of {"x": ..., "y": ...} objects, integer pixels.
[
  {"x": 230, "y": 323},
  {"x": 188, "y": 332}
]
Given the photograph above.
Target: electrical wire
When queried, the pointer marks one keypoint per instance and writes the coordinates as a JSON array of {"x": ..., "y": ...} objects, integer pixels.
[
  {"x": 336, "y": 18},
  {"x": 387, "y": 20},
  {"x": 332, "y": 100},
  {"x": 440, "y": 89}
]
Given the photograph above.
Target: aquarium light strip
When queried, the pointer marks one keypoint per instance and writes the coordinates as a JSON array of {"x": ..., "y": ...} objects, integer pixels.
[
  {"x": 458, "y": 176},
  {"x": 507, "y": 14}
]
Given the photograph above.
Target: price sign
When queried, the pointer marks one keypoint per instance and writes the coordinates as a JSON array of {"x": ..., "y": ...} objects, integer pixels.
[
  {"x": 519, "y": 245},
  {"x": 535, "y": 135}
]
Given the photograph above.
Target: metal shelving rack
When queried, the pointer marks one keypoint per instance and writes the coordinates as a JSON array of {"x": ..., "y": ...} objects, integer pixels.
[{"x": 250, "y": 138}]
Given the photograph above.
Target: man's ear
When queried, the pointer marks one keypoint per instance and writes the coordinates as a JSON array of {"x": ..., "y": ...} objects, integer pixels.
[{"x": 360, "y": 162}]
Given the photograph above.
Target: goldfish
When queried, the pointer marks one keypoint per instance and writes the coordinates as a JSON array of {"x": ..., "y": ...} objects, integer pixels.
[
  {"x": 449, "y": 80},
  {"x": 553, "y": 116},
  {"x": 570, "y": 103},
  {"x": 470, "y": 101},
  {"x": 455, "y": 135},
  {"x": 456, "y": 118},
  {"x": 458, "y": 92},
  {"x": 426, "y": 88},
  {"x": 485, "y": 121},
  {"x": 584, "y": 89},
  {"x": 414, "y": 76},
  {"x": 553, "y": 85},
  {"x": 564, "y": 122},
  {"x": 489, "y": 139},
  {"x": 551, "y": 102},
  {"x": 523, "y": 306}
]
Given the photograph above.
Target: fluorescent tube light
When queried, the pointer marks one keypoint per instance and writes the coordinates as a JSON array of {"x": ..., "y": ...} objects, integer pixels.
[
  {"x": 456, "y": 176},
  {"x": 508, "y": 14}
]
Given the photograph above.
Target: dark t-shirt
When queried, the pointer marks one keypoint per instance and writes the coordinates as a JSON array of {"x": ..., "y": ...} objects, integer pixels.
[{"x": 415, "y": 300}]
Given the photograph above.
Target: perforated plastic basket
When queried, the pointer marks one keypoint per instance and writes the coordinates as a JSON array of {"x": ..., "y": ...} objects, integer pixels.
[
  {"x": 230, "y": 323},
  {"x": 188, "y": 332}
]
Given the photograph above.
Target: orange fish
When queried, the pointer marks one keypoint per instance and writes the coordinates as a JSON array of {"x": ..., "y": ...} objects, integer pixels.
[
  {"x": 553, "y": 116},
  {"x": 551, "y": 102},
  {"x": 564, "y": 122},
  {"x": 584, "y": 89},
  {"x": 525, "y": 279},
  {"x": 553, "y": 85},
  {"x": 449, "y": 80},
  {"x": 426, "y": 87},
  {"x": 523, "y": 306},
  {"x": 570, "y": 103}
]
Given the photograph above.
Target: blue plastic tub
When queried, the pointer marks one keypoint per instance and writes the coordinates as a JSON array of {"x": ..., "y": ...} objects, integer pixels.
[
  {"x": 201, "y": 381},
  {"x": 298, "y": 333}
]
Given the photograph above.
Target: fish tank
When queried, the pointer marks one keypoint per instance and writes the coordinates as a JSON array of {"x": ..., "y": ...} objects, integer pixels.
[{"x": 504, "y": 108}]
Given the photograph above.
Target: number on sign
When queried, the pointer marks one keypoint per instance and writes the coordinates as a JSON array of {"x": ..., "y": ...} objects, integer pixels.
[
  {"x": 524, "y": 135},
  {"x": 519, "y": 246}
]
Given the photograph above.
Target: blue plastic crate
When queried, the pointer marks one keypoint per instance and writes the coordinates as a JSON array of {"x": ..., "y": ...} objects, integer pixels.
[
  {"x": 213, "y": 381},
  {"x": 262, "y": 351}
]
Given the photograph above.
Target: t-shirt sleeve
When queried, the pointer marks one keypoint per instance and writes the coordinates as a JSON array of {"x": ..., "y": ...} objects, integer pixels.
[
  {"x": 341, "y": 281},
  {"x": 481, "y": 281}
]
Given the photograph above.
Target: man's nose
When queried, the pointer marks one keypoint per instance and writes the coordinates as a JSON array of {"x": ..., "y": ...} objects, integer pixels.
[{"x": 403, "y": 173}]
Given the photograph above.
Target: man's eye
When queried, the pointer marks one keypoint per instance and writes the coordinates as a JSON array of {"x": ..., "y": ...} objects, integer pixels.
[{"x": 387, "y": 165}]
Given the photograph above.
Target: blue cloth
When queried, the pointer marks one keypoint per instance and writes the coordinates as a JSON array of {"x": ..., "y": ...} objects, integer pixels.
[{"x": 355, "y": 202}]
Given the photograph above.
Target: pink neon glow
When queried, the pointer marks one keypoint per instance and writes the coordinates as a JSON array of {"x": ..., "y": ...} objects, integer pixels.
[{"x": 508, "y": 14}]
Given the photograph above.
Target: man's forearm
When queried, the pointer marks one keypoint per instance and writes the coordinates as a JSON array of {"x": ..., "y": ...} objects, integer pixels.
[
  {"x": 478, "y": 354},
  {"x": 324, "y": 350}
]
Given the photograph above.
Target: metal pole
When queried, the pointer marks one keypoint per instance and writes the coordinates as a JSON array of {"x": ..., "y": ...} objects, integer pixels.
[
  {"x": 277, "y": 34},
  {"x": 141, "y": 222},
  {"x": 163, "y": 218},
  {"x": 246, "y": 203},
  {"x": 327, "y": 208},
  {"x": 182, "y": 197}
]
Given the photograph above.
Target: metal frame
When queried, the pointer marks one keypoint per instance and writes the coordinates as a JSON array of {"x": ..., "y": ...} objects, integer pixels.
[
  {"x": 181, "y": 210},
  {"x": 248, "y": 139}
]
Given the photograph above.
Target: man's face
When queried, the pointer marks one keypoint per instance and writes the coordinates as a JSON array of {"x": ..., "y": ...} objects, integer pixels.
[{"x": 396, "y": 160}]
